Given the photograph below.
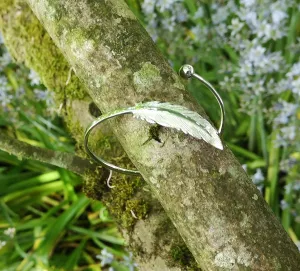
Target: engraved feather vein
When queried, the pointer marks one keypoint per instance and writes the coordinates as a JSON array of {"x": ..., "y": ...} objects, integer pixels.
[{"x": 180, "y": 118}]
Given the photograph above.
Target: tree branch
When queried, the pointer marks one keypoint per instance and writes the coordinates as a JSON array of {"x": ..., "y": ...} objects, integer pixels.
[
  {"x": 218, "y": 211},
  {"x": 64, "y": 160},
  {"x": 153, "y": 239}
]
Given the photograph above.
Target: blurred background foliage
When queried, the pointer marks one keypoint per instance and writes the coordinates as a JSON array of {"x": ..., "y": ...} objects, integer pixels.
[{"x": 248, "y": 49}]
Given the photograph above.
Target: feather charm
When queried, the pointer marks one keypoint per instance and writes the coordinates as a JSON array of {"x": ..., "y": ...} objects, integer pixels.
[{"x": 180, "y": 118}]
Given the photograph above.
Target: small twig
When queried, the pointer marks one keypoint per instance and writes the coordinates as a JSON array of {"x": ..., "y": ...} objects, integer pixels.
[
  {"x": 133, "y": 214},
  {"x": 60, "y": 108},
  {"x": 146, "y": 189},
  {"x": 64, "y": 160},
  {"x": 108, "y": 180},
  {"x": 69, "y": 76}
]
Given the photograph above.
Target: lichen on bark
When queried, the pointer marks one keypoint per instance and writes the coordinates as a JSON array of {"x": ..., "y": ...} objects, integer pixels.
[
  {"x": 39, "y": 43},
  {"x": 214, "y": 190},
  {"x": 30, "y": 44},
  {"x": 146, "y": 77}
]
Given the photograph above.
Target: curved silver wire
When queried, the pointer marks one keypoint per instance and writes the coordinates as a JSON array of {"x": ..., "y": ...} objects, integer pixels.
[
  {"x": 108, "y": 180},
  {"x": 187, "y": 71},
  {"x": 99, "y": 159}
]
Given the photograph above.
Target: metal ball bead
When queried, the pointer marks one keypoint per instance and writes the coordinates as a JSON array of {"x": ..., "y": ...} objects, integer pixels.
[{"x": 186, "y": 71}]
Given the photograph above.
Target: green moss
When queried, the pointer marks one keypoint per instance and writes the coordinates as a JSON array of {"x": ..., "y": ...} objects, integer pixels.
[
  {"x": 181, "y": 254},
  {"x": 154, "y": 132},
  {"x": 146, "y": 77},
  {"x": 214, "y": 174},
  {"x": 138, "y": 206},
  {"x": 123, "y": 201},
  {"x": 78, "y": 134},
  {"x": 35, "y": 48},
  {"x": 94, "y": 187},
  {"x": 5, "y": 4},
  {"x": 178, "y": 82},
  {"x": 164, "y": 226}
]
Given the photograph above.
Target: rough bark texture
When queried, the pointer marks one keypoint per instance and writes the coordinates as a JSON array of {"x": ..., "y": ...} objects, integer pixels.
[
  {"x": 64, "y": 160},
  {"x": 218, "y": 211},
  {"x": 153, "y": 239}
]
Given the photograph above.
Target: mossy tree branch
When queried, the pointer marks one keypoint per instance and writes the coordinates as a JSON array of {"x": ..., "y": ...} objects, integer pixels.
[
  {"x": 154, "y": 240},
  {"x": 64, "y": 160},
  {"x": 212, "y": 202}
]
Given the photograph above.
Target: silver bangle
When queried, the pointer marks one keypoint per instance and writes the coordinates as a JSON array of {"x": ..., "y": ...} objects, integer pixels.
[
  {"x": 186, "y": 71},
  {"x": 99, "y": 159}
]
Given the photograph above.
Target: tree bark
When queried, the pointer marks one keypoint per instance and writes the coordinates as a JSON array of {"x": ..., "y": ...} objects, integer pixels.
[
  {"x": 215, "y": 207},
  {"x": 217, "y": 210},
  {"x": 64, "y": 160},
  {"x": 154, "y": 240}
]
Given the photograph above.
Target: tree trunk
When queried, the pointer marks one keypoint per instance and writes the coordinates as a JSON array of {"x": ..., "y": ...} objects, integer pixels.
[
  {"x": 154, "y": 240},
  {"x": 217, "y": 210}
]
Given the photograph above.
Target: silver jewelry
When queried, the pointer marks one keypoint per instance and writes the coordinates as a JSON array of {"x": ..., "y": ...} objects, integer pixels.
[
  {"x": 168, "y": 115},
  {"x": 99, "y": 159},
  {"x": 187, "y": 71}
]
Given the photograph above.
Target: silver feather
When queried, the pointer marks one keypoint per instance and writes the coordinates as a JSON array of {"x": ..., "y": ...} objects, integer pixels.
[{"x": 180, "y": 118}]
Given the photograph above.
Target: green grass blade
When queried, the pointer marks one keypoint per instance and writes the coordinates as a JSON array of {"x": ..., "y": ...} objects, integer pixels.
[
  {"x": 36, "y": 181},
  {"x": 243, "y": 152},
  {"x": 74, "y": 257},
  {"x": 271, "y": 192},
  {"x": 55, "y": 230},
  {"x": 102, "y": 235}
]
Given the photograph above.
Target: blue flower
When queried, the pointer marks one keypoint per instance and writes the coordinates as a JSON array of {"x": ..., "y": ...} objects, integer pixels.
[{"x": 105, "y": 257}]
